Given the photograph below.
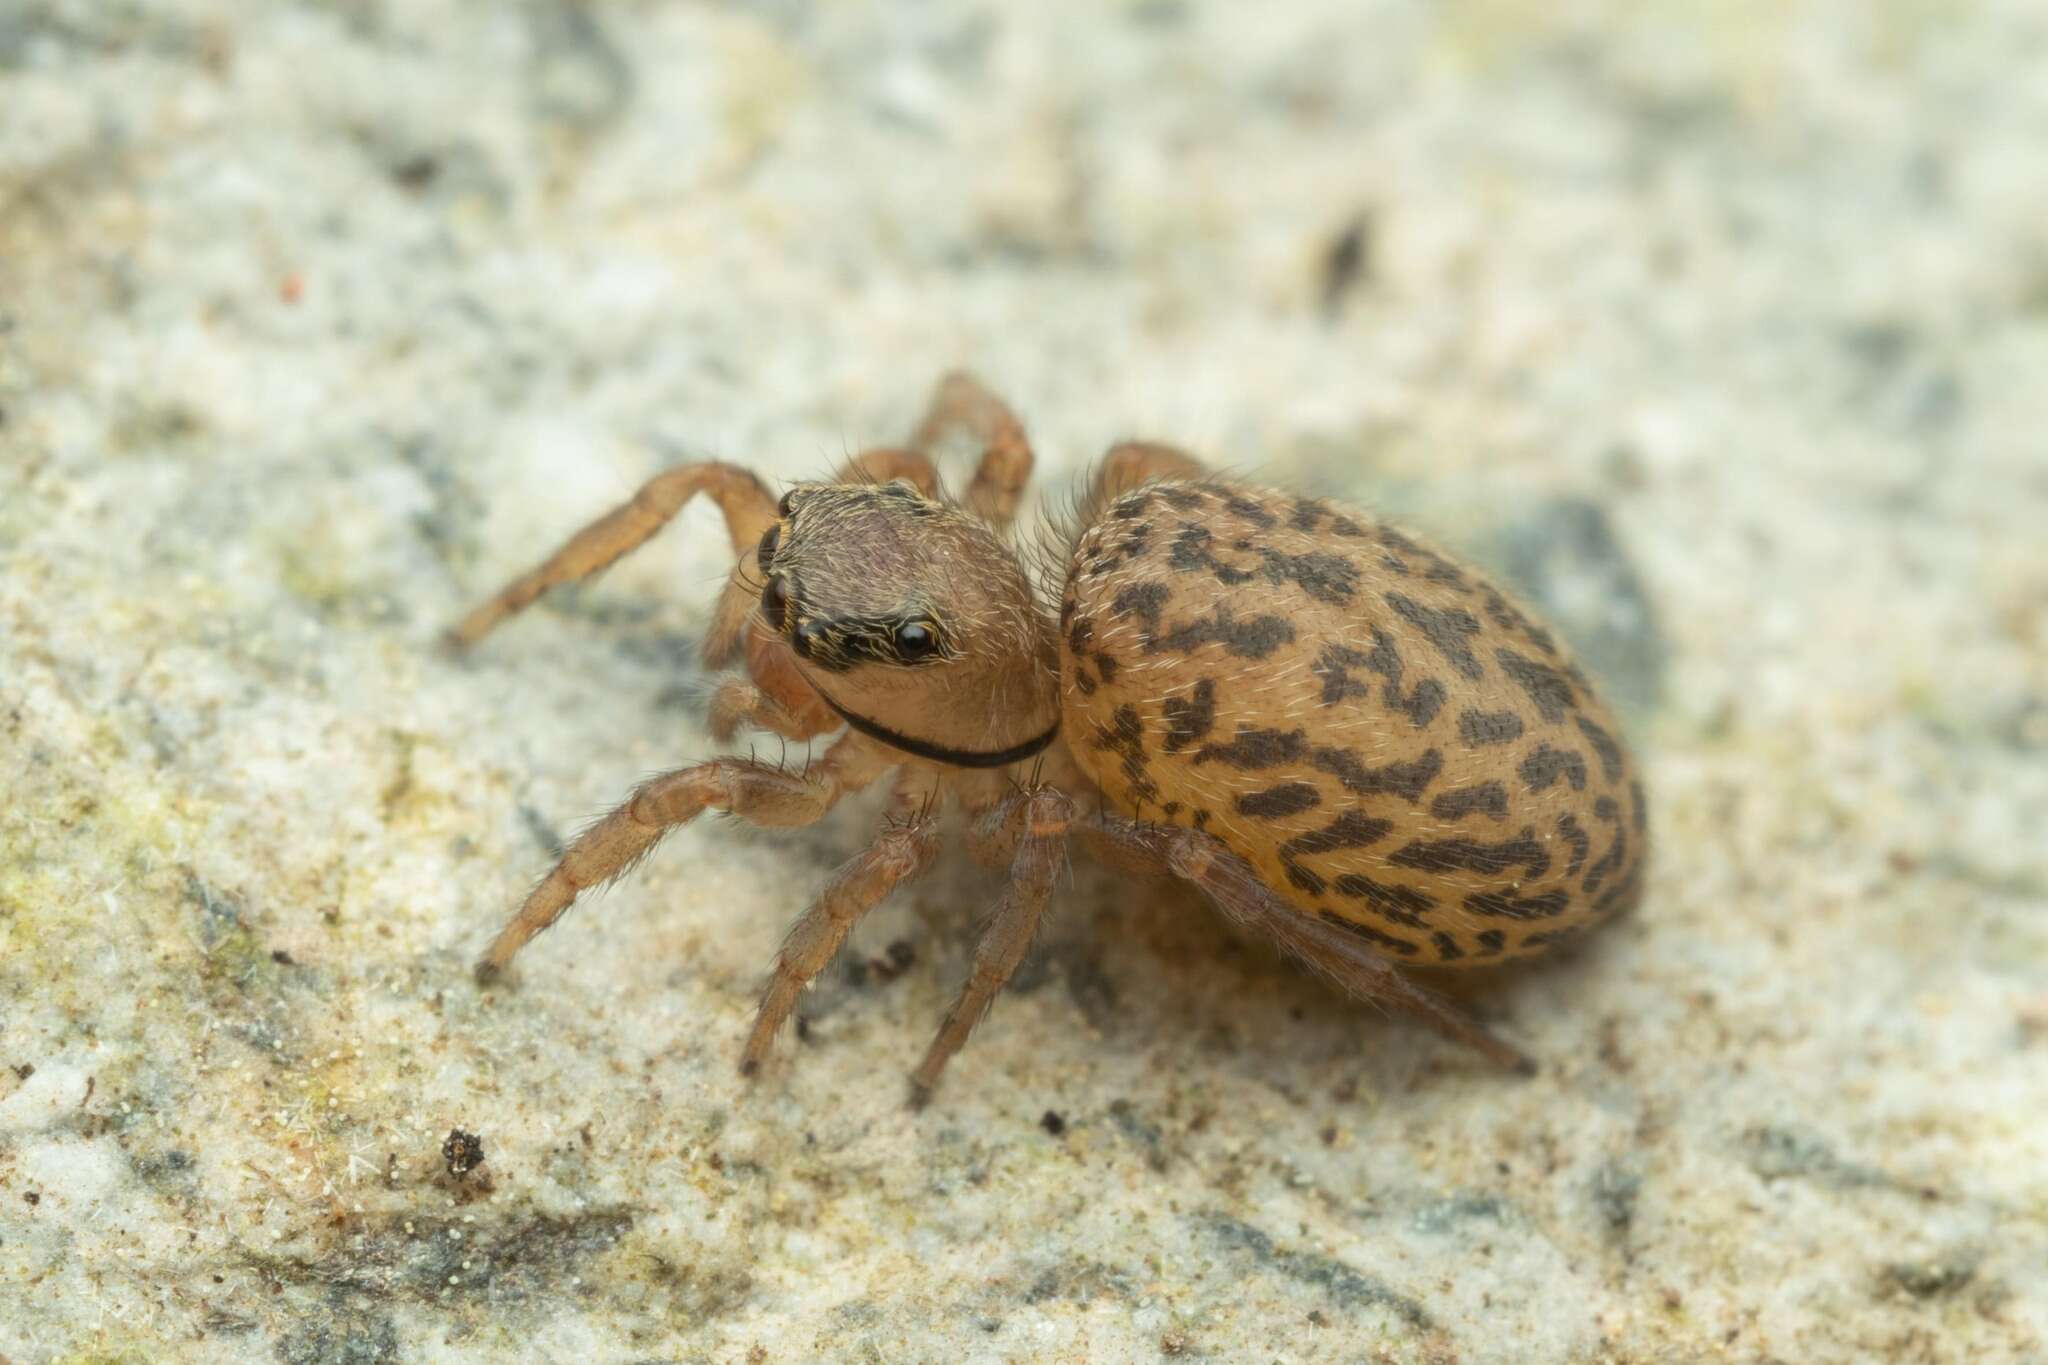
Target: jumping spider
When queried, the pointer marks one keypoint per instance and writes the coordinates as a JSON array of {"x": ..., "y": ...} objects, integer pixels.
[{"x": 1254, "y": 692}]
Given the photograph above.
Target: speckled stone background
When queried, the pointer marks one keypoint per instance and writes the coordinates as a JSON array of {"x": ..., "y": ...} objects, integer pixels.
[{"x": 1721, "y": 328}]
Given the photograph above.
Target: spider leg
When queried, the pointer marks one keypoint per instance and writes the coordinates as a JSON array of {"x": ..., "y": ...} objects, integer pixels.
[
  {"x": 756, "y": 792},
  {"x": 902, "y": 850},
  {"x": 1130, "y": 464},
  {"x": 1044, "y": 816},
  {"x": 737, "y": 701},
  {"x": 1234, "y": 888},
  {"x": 748, "y": 508},
  {"x": 960, "y": 400}
]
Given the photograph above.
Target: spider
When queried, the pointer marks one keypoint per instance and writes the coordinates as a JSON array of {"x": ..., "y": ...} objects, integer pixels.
[{"x": 875, "y": 607}]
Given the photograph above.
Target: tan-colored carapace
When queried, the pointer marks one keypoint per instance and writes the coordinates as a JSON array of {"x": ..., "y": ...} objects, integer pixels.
[{"x": 1351, "y": 743}]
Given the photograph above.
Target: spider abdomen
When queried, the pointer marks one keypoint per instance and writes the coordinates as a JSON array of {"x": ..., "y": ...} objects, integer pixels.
[{"x": 1393, "y": 743}]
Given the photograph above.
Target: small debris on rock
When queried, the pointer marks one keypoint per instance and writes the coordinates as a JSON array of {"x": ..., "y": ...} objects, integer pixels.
[
  {"x": 463, "y": 1152},
  {"x": 1933, "y": 1278},
  {"x": 1052, "y": 1123},
  {"x": 895, "y": 960},
  {"x": 1347, "y": 263}
]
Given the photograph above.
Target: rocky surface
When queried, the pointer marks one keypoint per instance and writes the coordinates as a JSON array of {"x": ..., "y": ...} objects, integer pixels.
[{"x": 1719, "y": 328}]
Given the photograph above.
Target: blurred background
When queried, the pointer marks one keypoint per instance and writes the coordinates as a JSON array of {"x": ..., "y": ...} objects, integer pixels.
[{"x": 1718, "y": 329}]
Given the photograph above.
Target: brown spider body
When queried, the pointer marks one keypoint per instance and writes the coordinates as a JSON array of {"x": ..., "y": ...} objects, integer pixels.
[
  {"x": 1353, "y": 745},
  {"x": 1389, "y": 741}
]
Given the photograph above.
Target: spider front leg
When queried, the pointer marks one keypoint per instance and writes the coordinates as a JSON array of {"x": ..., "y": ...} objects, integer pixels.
[
  {"x": 759, "y": 792},
  {"x": 1233, "y": 887},
  {"x": 740, "y": 702},
  {"x": 748, "y": 508},
  {"x": 901, "y": 852},
  {"x": 1043, "y": 816},
  {"x": 964, "y": 402}
]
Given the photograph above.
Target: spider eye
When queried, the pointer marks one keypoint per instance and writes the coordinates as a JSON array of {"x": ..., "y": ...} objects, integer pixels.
[
  {"x": 775, "y": 603},
  {"x": 915, "y": 640},
  {"x": 787, "y": 505},
  {"x": 770, "y": 538}
]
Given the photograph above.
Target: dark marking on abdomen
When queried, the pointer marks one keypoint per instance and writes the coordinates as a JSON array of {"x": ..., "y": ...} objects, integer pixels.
[
  {"x": 1251, "y": 510},
  {"x": 1541, "y": 769},
  {"x": 1473, "y": 855},
  {"x": 1289, "y": 798},
  {"x": 1502, "y": 905},
  {"x": 1548, "y": 688},
  {"x": 1582, "y": 843},
  {"x": 1142, "y": 600},
  {"x": 1478, "y": 729},
  {"x": 1610, "y": 861},
  {"x": 1254, "y": 749},
  {"x": 1371, "y": 935},
  {"x": 1191, "y": 551},
  {"x": 1126, "y": 738},
  {"x": 1508, "y": 617},
  {"x": 1604, "y": 746},
  {"x": 1309, "y": 513},
  {"x": 1401, "y": 904},
  {"x": 1252, "y": 639},
  {"x": 1489, "y": 798},
  {"x": 1440, "y": 570},
  {"x": 1330, "y": 579},
  {"x": 1420, "y": 705},
  {"x": 1449, "y": 630},
  {"x": 1191, "y": 717},
  {"x": 1405, "y": 780},
  {"x": 1351, "y": 829}
]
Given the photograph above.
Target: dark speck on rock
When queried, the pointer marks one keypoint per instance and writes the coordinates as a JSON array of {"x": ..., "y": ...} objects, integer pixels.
[
  {"x": 1930, "y": 1279},
  {"x": 543, "y": 833},
  {"x": 462, "y": 1152},
  {"x": 1052, "y": 1122},
  {"x": 894, "y": 961},
  {"x": 579, "y": 78},
  {"x": 341, "y": 1338},
  {"x": 1776, "y": 1153},
  {"x": 1347, "y": 264},
  {"x": 1614, "y": 1194},
  {"x": 1444, "y": 1214},
  {"x": 416, "y": 172},
  {"x": 1346, "y": 1286}
]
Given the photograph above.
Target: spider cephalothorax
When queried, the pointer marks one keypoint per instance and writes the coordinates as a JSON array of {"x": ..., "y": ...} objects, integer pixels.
[
  {"x": 912, "y": 622},
  {"x": 1352, "y": 744}
]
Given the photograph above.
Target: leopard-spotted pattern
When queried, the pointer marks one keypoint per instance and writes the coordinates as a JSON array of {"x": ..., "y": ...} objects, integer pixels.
[{"x": 1392, "y": 742}]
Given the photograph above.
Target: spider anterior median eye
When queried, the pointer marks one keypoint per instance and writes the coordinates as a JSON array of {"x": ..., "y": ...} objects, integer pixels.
[
  {"x": 916, "y": 640},
  {"x": 775, "y": 603},
  {"x": 765, "y": 555}
]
